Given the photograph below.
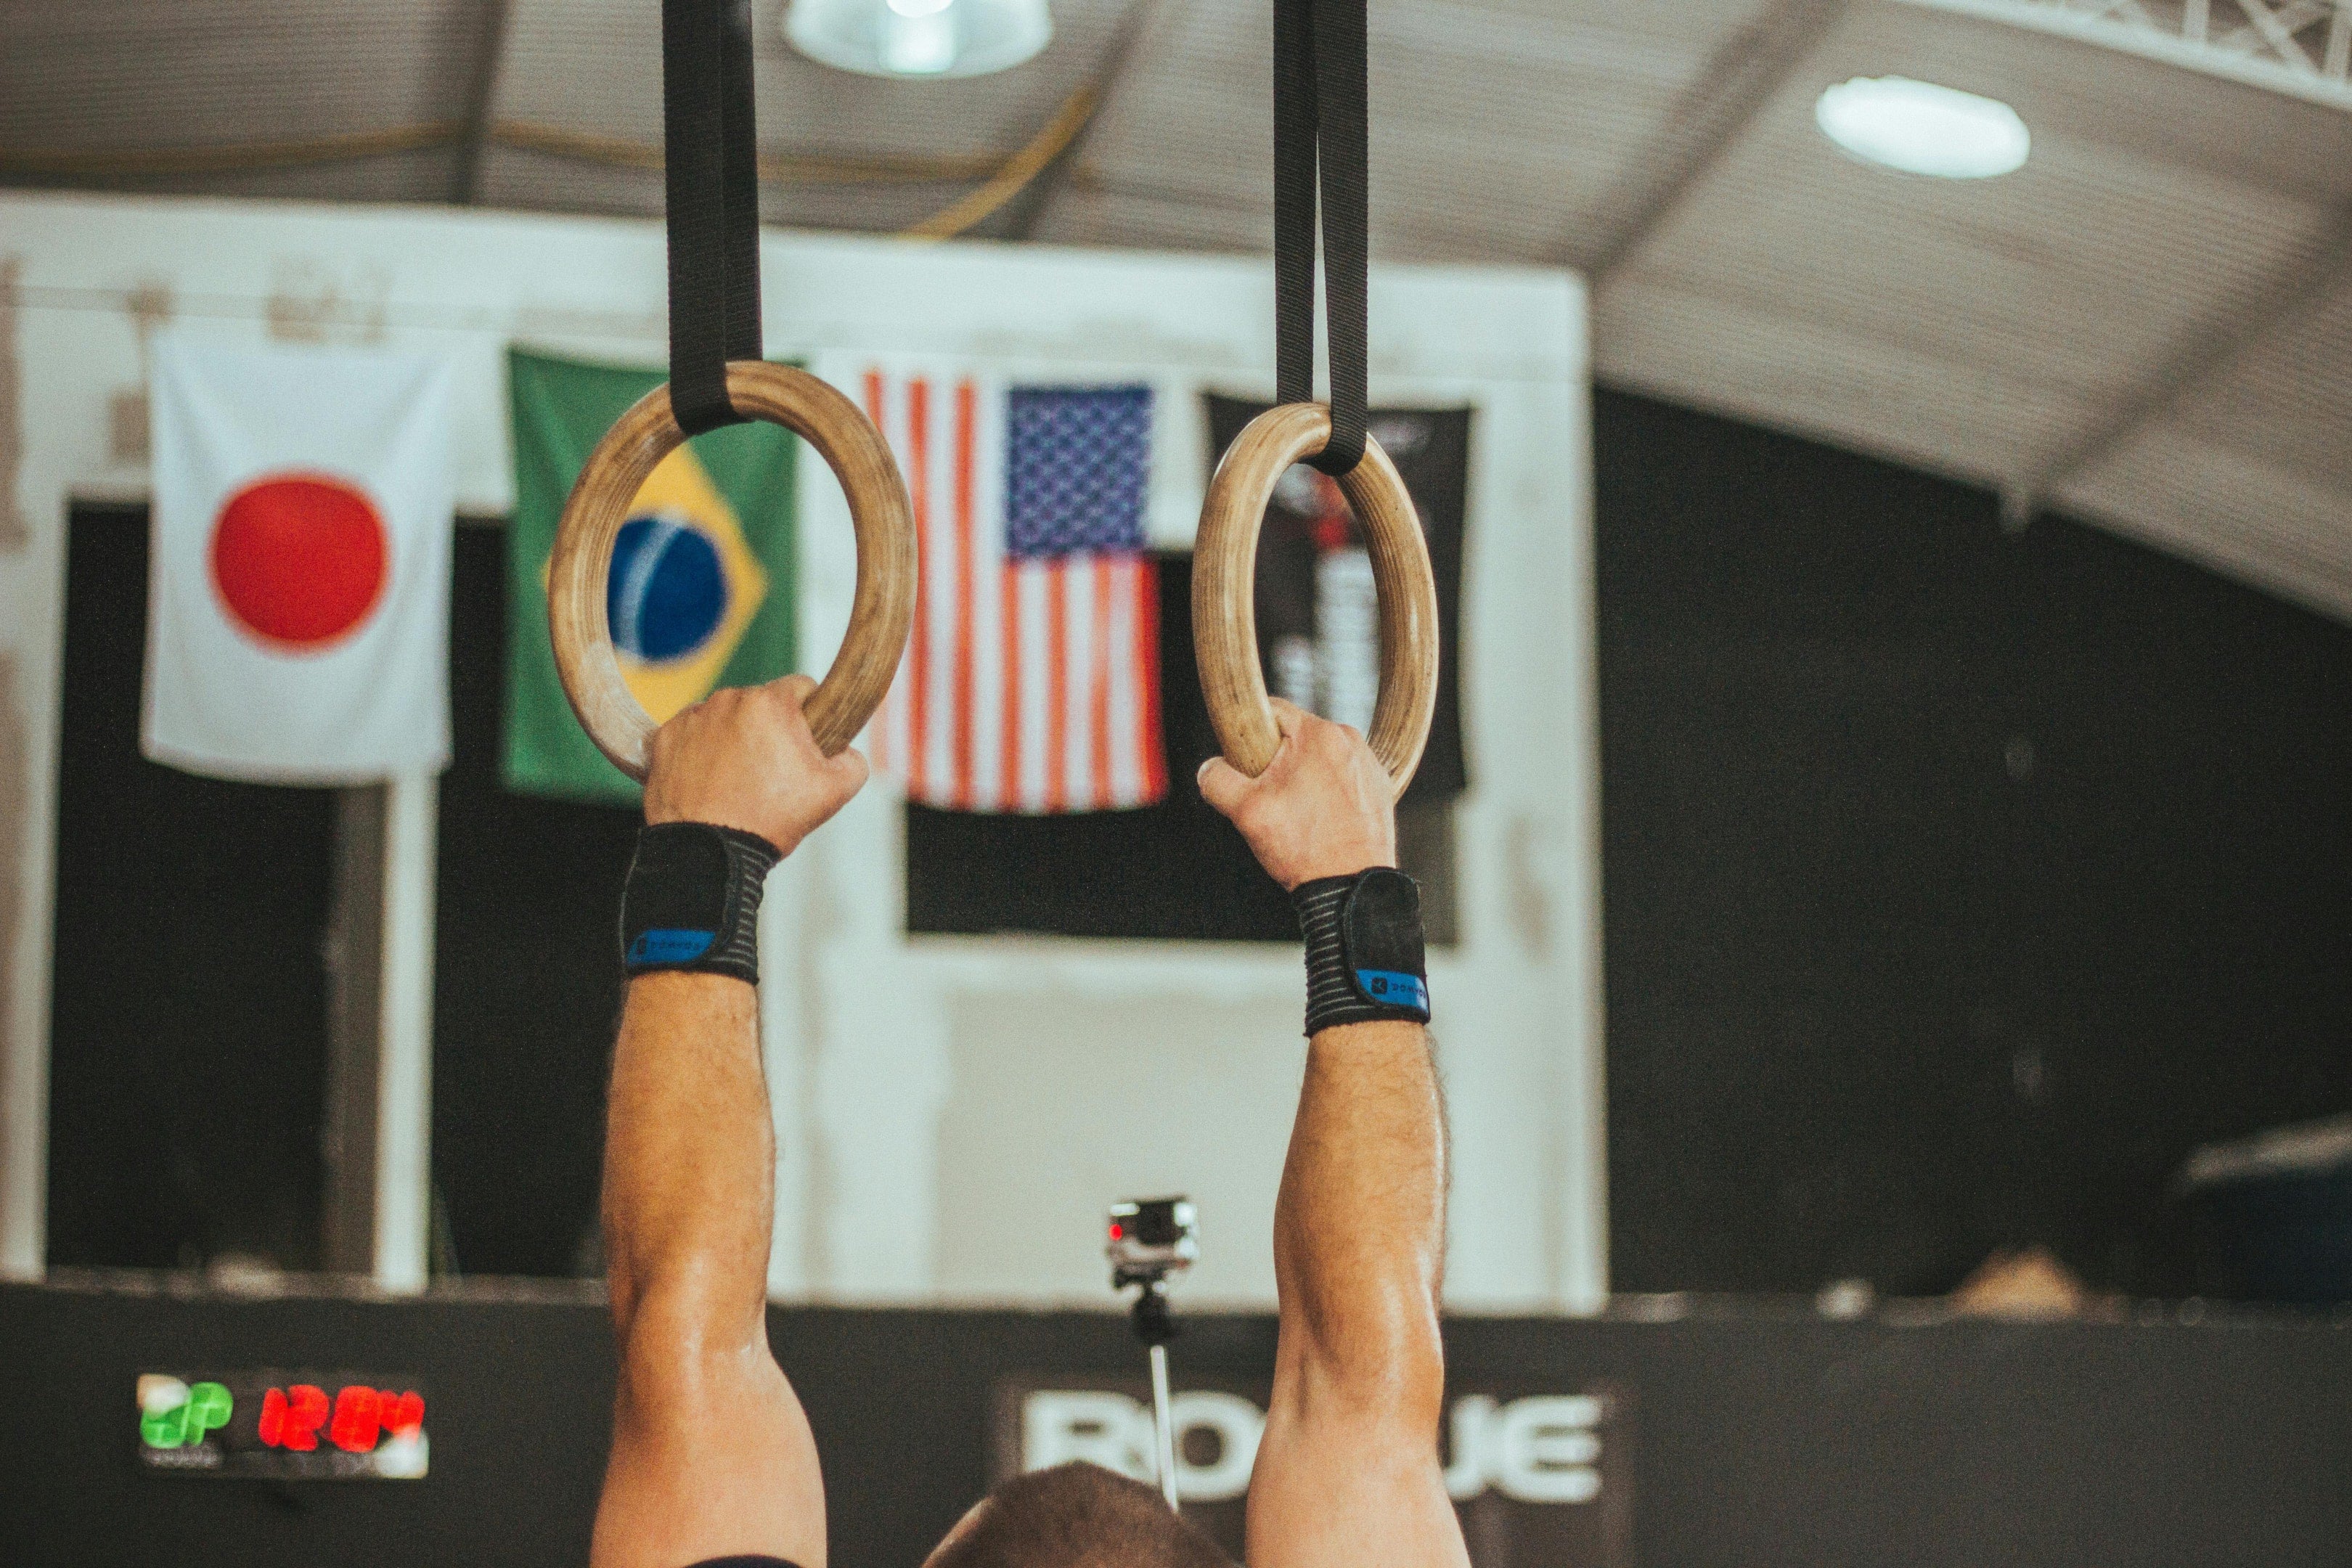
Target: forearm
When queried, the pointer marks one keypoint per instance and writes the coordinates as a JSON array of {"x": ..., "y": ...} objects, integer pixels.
[
  {"x": 1360, "y": 1226},
  {"x": 690, "y": 1158},
  {"x": 712, "y": 1458},
  {"x": 1347, "y": 1473},
  {"x": 711, "y": 1454}
]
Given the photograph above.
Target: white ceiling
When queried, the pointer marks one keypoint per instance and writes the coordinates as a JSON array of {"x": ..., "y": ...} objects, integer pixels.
[{"x": 2147, "y": 325}]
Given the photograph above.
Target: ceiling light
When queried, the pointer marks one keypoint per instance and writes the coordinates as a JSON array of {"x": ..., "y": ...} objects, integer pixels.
[
  {"x": 919, "y": 37},
  {"x": 1923, "y": 129}
]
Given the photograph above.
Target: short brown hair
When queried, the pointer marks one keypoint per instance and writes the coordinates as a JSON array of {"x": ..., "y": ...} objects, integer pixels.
[{"x": 1077, "y": 1516}]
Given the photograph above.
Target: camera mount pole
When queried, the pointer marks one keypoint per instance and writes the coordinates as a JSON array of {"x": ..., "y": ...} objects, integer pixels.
[
  {"x": 1151, "y": 1238},
  {"x": 1155, "y": 1328}
]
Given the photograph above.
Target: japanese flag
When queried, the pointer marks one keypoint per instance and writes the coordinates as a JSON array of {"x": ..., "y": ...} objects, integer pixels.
[{"x": 297, "y": 601}]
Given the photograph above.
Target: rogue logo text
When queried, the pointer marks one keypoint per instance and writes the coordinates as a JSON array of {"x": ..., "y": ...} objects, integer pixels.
[{"x": 1541, "y": 1448}]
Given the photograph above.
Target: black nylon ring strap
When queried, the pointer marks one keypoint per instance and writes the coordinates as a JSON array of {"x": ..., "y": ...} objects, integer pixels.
[
  {"x": 1321, "y": 119},
  {"x": 710, "y": 180}
]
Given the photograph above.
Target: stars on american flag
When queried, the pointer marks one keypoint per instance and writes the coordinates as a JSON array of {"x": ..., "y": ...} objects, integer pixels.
[{"x": 1074, "y": 468}]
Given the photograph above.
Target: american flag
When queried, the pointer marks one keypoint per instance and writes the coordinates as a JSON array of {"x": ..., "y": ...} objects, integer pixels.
[{"x": 1032, "y": 680}]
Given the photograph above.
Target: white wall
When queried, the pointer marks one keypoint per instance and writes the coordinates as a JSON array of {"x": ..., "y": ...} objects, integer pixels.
[{"x": 954, "y": 1112}]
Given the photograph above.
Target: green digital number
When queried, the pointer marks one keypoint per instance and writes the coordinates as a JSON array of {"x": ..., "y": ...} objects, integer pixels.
[{"x": 207, "y": 1409}]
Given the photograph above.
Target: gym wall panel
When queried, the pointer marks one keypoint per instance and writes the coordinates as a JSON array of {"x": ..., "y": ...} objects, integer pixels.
[
  {"x": 1062, "y": 1103},
  {"x": 15, "y": 797},
  {"x": 1756, "y": 1436},
  {"x": 873, "y": 1041}
]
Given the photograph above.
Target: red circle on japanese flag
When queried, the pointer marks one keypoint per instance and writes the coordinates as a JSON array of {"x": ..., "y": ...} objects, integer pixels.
[{"x": 299, "y": 559}]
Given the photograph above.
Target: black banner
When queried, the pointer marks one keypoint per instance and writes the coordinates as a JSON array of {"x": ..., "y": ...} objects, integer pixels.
[
  {"x": 1765, "y": 1434},
  {"x": 1316, "y": 624}
]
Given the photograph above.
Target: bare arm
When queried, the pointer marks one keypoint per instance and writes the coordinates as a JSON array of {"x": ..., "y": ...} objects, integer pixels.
[
  {"x": 1347, "y": 1474},
  {"x": 711, "y": 1454}
]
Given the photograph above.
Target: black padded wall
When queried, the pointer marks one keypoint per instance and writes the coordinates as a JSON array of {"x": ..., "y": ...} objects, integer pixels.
[
  {"x": 1754, "y": 1440},
  {"x": 527, "y": 980},
  {"x": 1959, "y": 882},
  {"x": 188, "y": 1022}
]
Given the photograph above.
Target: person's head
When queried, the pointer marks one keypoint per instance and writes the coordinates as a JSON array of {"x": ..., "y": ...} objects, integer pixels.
[{"x": 1075, "y": 1516}]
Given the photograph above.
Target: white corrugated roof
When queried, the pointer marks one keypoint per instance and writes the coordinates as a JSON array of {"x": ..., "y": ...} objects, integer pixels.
[{"x": 2148, "y": 324}]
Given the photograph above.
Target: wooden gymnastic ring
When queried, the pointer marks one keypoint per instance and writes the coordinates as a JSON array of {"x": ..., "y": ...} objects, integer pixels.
[
  {"x": 879, "y": 615},
  {"x": 1225, "y": 585}
]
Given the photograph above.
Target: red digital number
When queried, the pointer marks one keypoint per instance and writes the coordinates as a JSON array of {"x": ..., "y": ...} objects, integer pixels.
[
  {"x": 357, "y": 1419},
  {"x": 306, "y": 1412},
  {"x": 402, "y": 1415},
  {"x": 291, "y": 1418}
]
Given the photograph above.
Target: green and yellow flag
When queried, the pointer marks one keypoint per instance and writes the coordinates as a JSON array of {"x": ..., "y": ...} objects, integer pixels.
[{"x": 701, "y": 594}]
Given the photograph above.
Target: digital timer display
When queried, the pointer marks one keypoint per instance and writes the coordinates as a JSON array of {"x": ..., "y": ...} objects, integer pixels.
[{"x": 285, "y": 1425}]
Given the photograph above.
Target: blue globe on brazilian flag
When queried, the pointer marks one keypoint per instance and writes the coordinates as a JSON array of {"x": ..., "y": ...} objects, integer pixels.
[
  {"x": 684, "y": 588},
  {"x": 699, "y": 595}
]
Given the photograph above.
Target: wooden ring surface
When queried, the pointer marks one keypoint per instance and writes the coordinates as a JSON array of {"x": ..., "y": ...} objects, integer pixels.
[
  {"x": 879, "y": 615},
  {"x": 1225, "y": 582}
]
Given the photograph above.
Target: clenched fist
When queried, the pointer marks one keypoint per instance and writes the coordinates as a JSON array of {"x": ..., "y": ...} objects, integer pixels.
[
  {"x": 1324, "y": 806},
  {"x": 743, "y": 757}
]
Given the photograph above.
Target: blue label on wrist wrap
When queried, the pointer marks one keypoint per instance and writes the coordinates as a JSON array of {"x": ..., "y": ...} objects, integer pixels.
[
  {"x": 670, "y": 946},
  {"x": 1386, "y": 986}
]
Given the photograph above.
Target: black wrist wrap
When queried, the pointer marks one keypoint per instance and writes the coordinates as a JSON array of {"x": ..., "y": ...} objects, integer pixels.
[
  {"x": 692, "y": 901},
  {"x": 1364, "y": 956}
]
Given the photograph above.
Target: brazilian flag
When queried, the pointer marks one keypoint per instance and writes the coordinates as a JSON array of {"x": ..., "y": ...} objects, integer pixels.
[{"x": 700, "y": 593}]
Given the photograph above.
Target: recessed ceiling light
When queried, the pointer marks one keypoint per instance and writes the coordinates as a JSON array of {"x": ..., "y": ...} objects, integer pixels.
[
  {"x": 919, "y": 37},
  {"x": 1923, "y": 129}
]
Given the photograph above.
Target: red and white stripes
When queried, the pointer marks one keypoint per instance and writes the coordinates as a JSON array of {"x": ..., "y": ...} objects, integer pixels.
[{"x": 1029, "y": 685}]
